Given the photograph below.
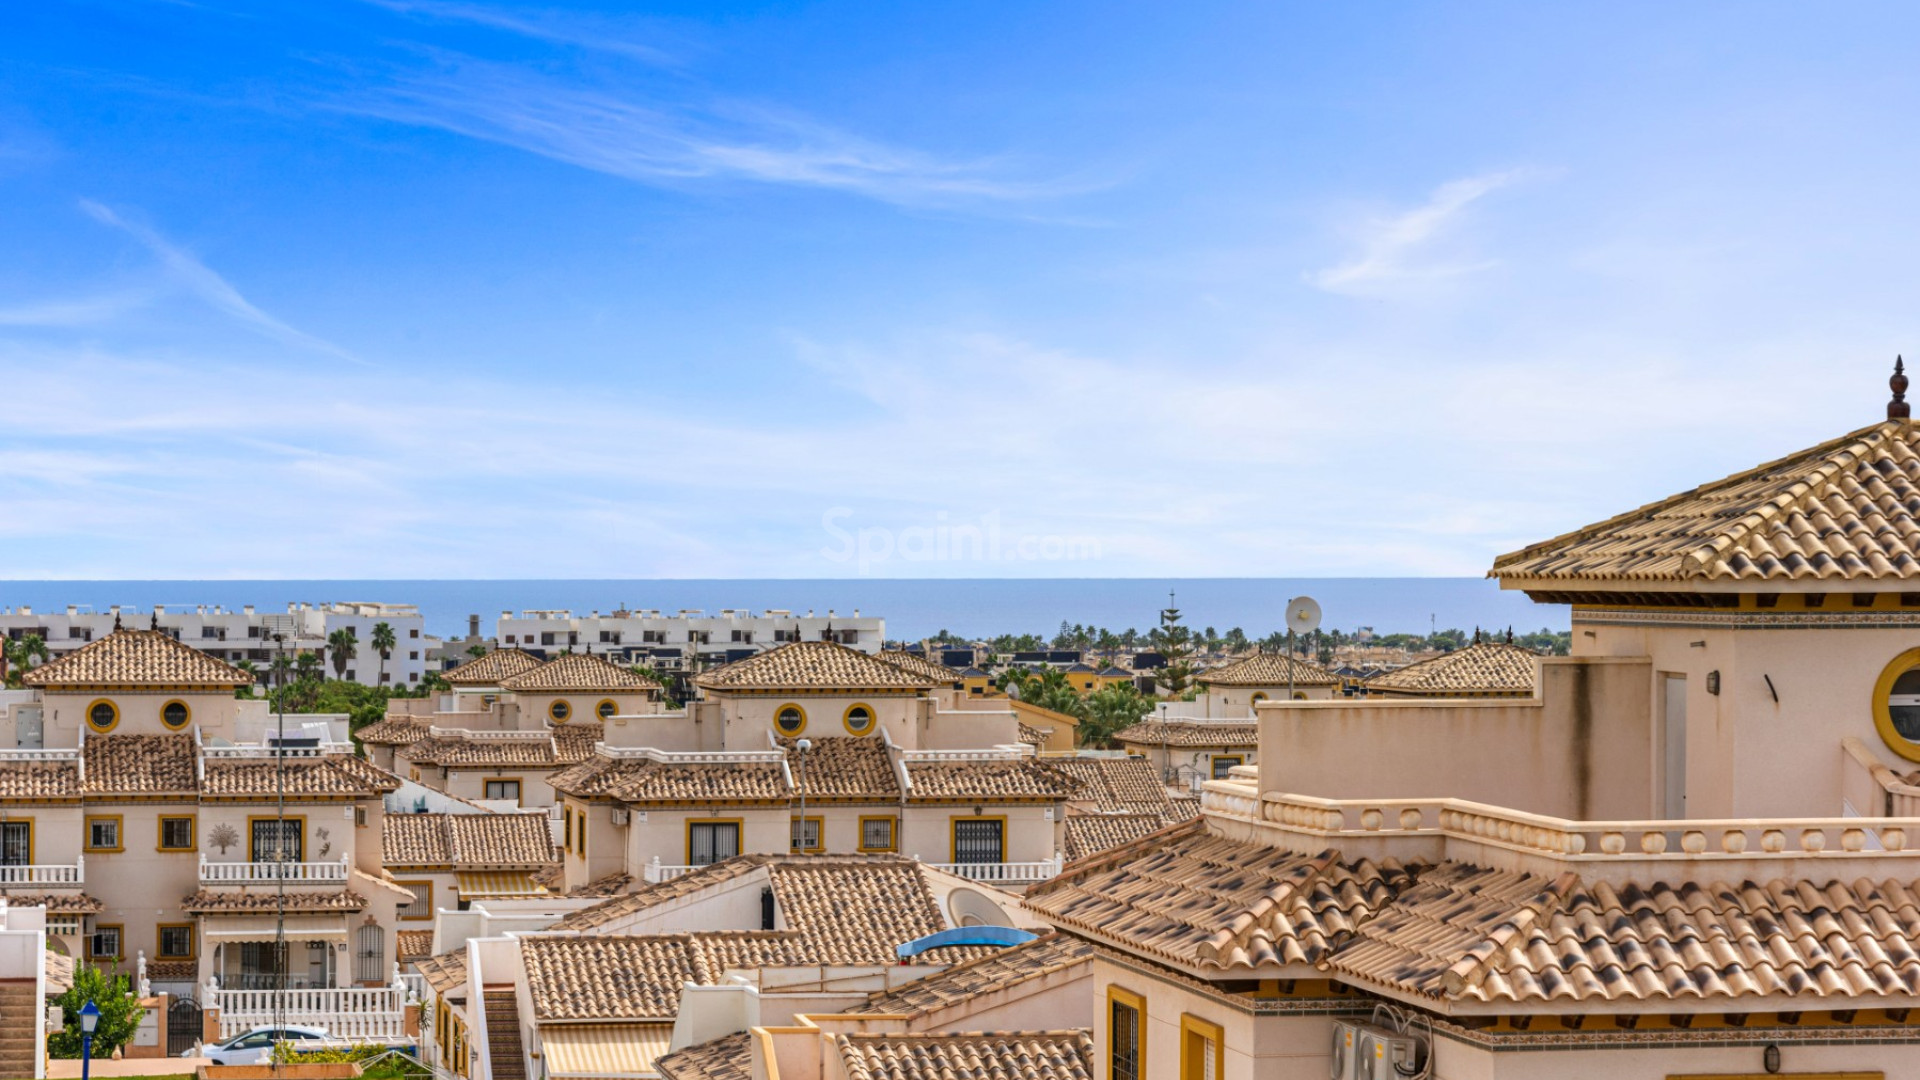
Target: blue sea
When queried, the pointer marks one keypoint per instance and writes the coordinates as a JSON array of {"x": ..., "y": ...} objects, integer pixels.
[{"x": 913, "y": 608}]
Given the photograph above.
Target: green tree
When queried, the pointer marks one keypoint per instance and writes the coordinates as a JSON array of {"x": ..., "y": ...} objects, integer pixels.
[
  {"x": 120, "y": 1013},
  {"x": 307, "y": 667},
  {"x": 383, "y": 641},
  {"x": 476, "y": 651},
  {"x": 22, "y": 655},
  {"x": 1111, "y": 709},
  {"x": 1175, "y": 642},
  {"x": 1047, "y": 688},
  {"x": 252, "y": 673},
  {"x": 341, "y": 649}
]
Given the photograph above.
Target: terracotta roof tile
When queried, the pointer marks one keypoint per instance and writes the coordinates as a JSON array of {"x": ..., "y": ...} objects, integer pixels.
[
  {"x": 40, "y": 780},
  {"x": 607, "y": 978},
  {"x": 136, "y": 658},
  {"x": 394, "y": 731},
  {"x": 726, "y": 1058},
  {"x": 648, "y": 782},
  {"x": 1090, "y": 834},
  {"x": 467, "y": 840},
  {"x": 1033, "y": 736},
  {"x": 446, "y": 972},
  {"x": 490, "y": 669},
  {"x": 252, "y": 901},
  {"x": 647, "y": 895},
  {"x": 1845, "y": 510},
  {"x": 140, "y": 765},
  {"x": 919, "y": 666},
  {"x": 1429, "y": 934},
  {"x": 580, "y": 672},
  {"x": 1201, "y": 733},
  {"x": 1488, "y": 667},
  {"x": 844, "y": 766},
  {"x": 1268, "y": 669},
  {"x": 1185, "y": 807},
  {"x": 1200, "y": 900},
  {"x": 567, "y": 744},
  {"x": 1116, "y": 784},
  {"x": 959, "y": 984},
  {"x": 1019, "y": 778},
  {"x": 411, "y": 945},
  {"x": 57, "y": 903},
  {"x": 813, "y": 665},
  {"x": 335, "y": 774},
  {"x": 1000, "y": 1055}
]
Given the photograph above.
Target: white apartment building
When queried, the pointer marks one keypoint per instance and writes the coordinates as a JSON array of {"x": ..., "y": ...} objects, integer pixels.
[
  {"x": 664, "y": 639},
  {"x": 246, "y": 634}
]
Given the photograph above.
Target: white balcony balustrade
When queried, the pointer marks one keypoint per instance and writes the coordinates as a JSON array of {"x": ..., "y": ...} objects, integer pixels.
[
  {"x": 50, "y": 875},
  {"x": 1005, "y": 874},
  {"x": 252, "y": 873}
]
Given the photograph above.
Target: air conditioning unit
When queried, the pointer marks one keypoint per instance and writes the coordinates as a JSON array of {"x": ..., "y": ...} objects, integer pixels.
[
  {"x": 1345, "y": 1052},
  {"x": 1386, "y": 1055},
  {"x": 619, "y": 815}
]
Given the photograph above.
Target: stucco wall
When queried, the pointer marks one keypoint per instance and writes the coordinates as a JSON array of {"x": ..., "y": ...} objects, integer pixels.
[{"x": 1579, "y": 750}]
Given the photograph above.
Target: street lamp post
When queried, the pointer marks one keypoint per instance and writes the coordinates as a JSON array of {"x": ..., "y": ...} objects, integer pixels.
[{"x": 89, "y": 1019}]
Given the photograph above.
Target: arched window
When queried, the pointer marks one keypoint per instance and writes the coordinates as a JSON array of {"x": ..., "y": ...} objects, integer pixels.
[
  {"x": 858, "y": 720},
  {"x": 790, "y": 720}
]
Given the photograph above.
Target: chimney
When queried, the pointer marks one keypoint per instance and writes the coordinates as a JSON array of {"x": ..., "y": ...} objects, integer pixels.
[{"x": 473, "y": 626}]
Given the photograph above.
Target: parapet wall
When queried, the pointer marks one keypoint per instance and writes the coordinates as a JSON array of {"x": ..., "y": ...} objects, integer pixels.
[{"x": 1581, "y": 748}]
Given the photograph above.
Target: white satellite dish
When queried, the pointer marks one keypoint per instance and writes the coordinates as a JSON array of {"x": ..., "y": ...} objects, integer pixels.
[{"x": 1303, "y": 615}]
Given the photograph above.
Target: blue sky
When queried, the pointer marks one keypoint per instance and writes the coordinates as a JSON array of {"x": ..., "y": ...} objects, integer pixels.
[{"x": 428, "y": 288}]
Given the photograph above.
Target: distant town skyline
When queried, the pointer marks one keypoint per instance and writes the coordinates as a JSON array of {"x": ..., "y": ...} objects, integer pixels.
[{"x": 436, "y": 289}]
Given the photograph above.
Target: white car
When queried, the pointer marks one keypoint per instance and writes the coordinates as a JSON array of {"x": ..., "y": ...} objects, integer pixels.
[{"x": 255, "y": 1047}]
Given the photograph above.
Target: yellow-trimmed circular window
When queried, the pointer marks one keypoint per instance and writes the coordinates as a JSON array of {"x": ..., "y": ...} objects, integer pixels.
[
  {"x": 790, "y": 720},
  {"x": 1259, "y": 696},
  {"x": 103, "y": 715},
  {"x": 858, "y": 719},
  {"x": 559, "y": 712},
  {"x": 176, "y": 714},
  {"x": 1896, "y": 705},
  {"x": 1299, "y": 695},
  {"x": 606, "y": 710}
]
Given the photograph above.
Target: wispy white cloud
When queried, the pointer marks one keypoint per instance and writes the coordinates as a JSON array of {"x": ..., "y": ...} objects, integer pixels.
[
  {"x": 676, "y": 137},
  {"x": 559, "y": 28},
  {"x": 189, "y": 273},
  {"x": 1398, "y": 247},
  {"x": 84, "y": 311}
]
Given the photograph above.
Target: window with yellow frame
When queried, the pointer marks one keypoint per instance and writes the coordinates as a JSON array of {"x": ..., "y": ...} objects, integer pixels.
[
  {"x": 176, "y": 833},
  {"x": 606, "y": 710},
  {"x": 566, "y": 815},
  {"x": 859, "y": 719},
  {"x": 422, "y": 906},
  {"x": 879, "y": 833},
  {"x": 176, "y": 941},
  {"x": 1126, "y": 1035},
  {"x": 807, "y": 834},
  {"x": 1202, "y": 1049},
  {"x": 106, "y": 832},
  {"x": 560, "y": 711},
  {"x": 176, "y": 714},
  {"x": 1896, "y": 705},
  {"x": 790, "y": 720},
  {"x": 1223, "y": 762},
  {"x": 103, "y": 715}
]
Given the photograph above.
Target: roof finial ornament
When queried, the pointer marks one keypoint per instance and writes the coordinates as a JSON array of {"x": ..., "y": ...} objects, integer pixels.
[
  {"x": 1898, "y": 409},
  {"x": 116, "y": 620},
  {"x": 156, "y": 621}
]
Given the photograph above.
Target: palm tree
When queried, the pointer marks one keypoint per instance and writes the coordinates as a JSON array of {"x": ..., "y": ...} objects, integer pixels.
[
  {"x": 342, "y": 647},
  {"x": 1111, "y": 709},
  {"x": 253, "y": 674},
  {"x": 21, "y": 655},
  {"x": 383, "y": 641},
  {"x": 307, "y": 666}
]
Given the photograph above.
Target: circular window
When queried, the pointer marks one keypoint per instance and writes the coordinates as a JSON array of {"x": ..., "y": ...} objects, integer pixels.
[
  {"x": 1259, "y": 696},
  {"x": 1299, "y": 695},
  {"x": 175, "y": 714},
  {"x": 858, "y": 720},
  {"x": 790, "y": 720},
  {"x": 1896, "y": 705},
  {"x": 559, "y": 711},
  {"x": 102, "y": 715},
  {"x": 606, "y": 710}
]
